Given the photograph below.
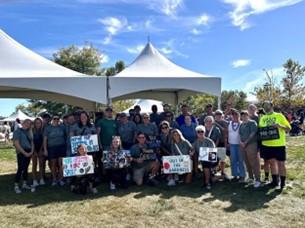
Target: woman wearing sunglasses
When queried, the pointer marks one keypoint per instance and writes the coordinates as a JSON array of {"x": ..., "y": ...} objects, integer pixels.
[{"x": 54, "y": 143}]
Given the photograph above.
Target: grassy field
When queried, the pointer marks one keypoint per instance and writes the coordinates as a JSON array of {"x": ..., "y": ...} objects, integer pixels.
[{"x": 226, "y": 205}]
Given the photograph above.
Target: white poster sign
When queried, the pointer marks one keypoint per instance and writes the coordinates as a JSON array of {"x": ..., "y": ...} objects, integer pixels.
[
  {"x": 78, "y": 166},
  {"x": 177, "y": 164},
  {"x": 90, "y": 141}
]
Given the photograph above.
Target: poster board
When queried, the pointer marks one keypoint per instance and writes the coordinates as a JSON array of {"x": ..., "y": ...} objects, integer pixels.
[
  {"x": 90, "y": 141},
  {"x": 117, "y": 161},
  {"x": 78, "y": 166},
  {"x": 269, "y": 133},
  {"x": 177, "y": 164}
]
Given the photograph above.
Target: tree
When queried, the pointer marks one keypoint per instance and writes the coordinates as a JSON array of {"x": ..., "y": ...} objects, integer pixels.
[
  {"x": 293, "y": 88},
  {"x": 86, "y": 60},
  {"x": 238, "y": 99},
  {"x": 269, "y": 90},
  {"x": 197, "y": 103}
]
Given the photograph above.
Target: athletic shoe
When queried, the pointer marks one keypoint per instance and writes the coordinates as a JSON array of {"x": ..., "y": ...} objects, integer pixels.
[
  {"x": 242, "y": 180},
  {"x": 250, "y": 181},
  {"x": 171, "y": 182},
  {"x": 61, "y": 183},
  {"x": 25, "y": 186},
  {"x": 17, "y": 189},
  {"x": 41, "y": 182},
  {"x": 208, "y": 187},
  {"x": 112, "y": 186},
  {"x": 272, "y": 185},
  {"x": 128, "y": 177},
  {"x": 33, "y": 189},
  {"x": 225, "y": 177},
  {"x": 54, "y": 183},
  {"x": 94, "y": 190},
  {"x": 35, "y": 183},
  {"x": 257, "y": 184}
]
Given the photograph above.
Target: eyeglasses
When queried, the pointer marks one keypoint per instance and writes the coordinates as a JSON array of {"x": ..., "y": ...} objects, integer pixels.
[
  {"x": 141, "y": 137},
  {"x": 145, "y": 117},
  {"x": 165, "y": 127},
  {"x": 55, "y": 118},
  {"x": 200, "y": 132}
]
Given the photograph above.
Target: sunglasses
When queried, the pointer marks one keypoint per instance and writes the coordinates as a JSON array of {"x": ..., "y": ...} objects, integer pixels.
[
  {"x": 141, "y": 137},
  {"x": 145, "y": 117},
  {"x": 200, "y": 132},
  {"x": 165, "y": 127},
  {"x": 55, "y": 118}
]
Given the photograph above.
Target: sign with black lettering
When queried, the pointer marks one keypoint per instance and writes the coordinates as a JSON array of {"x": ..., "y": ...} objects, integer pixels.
[{"x": 269, "y": 133}]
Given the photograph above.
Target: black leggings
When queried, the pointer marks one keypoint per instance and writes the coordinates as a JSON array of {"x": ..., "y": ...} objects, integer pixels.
[
  {"x": 23, "y": 163},
  {"x": 117, "y": 176}
]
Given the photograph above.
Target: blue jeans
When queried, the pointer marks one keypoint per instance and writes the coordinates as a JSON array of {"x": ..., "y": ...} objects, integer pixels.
[{"x": 237, "y": 161}]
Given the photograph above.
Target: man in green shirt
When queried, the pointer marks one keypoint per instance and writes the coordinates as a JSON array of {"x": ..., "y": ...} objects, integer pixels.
[
  {"x": 275, "y": 148},
  {"x": 106, "y": 129}
]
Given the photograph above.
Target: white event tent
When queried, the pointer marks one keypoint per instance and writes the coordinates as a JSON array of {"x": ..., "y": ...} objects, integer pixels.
[
  {"x": 25, "y": 74},
  {"x": 145, "y": 105},
  {"x": 153, "y": 76},
  {"x": 19, "y": 114}
]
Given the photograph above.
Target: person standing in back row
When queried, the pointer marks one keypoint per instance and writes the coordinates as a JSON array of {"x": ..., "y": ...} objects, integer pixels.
[{"x": 275, "y": 149}]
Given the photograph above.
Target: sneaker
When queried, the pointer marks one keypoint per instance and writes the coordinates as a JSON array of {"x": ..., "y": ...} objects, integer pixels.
[
  {"x": 94, "y": 190},
  {"x": 176, "y": 177},
  {"x": 112, "y": 186},
  {"x": 208, "y": 187},
  {"x": 257, "y": 184},
  {"x": 171, "y": 182},
  {"x": 250, "y": 181},
  {"x": 61, "y": 183},
  {"x": 128, "y": 177},
  {"x": 25, "y": 186},
  {"x": 272, "y": 185},
  {"x": 54, "y": 183},
  {"x": 17, "y": 189},
  {"x": 33, "y": 189},
  {"x": 225, "y": 177},
  {"x": 41, "y": 182},
  {"x": 242, "y": 180},
  {"x": 35, "y": 183}
]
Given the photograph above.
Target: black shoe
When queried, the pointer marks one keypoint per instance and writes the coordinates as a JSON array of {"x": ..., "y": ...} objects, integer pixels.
[
  {"x": 153, "y": 182},
  {"x": 272, "y": 185}
]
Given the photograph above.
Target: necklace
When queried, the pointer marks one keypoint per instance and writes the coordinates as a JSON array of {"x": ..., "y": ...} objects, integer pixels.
[{"x": 235, "y": 126}]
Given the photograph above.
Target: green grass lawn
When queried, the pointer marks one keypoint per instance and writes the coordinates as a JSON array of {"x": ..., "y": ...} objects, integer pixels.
[{"x": 226, "y": 205}]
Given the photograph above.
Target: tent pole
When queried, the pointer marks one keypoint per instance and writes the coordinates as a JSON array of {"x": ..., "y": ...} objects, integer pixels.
[
  {"x": 107, "y": 91},
  {"x": 219, "y": 102}
]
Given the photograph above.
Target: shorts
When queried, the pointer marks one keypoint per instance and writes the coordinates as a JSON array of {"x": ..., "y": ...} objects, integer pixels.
[
  {"x": 273, "y": 152},
  {"x": 55, "y": 152},
  {"x": 138, "y": 174}
]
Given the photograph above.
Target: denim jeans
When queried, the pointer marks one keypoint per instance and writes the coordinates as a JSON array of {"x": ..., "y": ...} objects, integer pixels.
[
  {"x": 23, "y": 163},
  {"x": 237, "y": 161}
]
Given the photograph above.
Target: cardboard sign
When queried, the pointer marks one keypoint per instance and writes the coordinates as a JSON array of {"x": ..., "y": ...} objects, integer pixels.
[
  {"x": 221, "y": 153},
  {"x": 78, "y": 166},
  {"x": 207, "y": 154},
  {"x": 269, "y": 133},
  {"x": 177, "y": 164},
  {"x": 90, "y": 141},
  {"x": 148, "y": 155},
  {"x": 116, "y": 161}
]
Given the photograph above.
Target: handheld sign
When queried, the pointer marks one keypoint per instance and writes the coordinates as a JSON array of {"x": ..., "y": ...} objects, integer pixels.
[
  {"x": 148, "y": 155},
  {"x": 78, "y": 166},
  {"x": 207, "y": 154},
  {"x": 117, "y": 160},
  {"x": 90, "y": 141},
  {"x": 177, "y": 164},
  {"x": 269, "y": 133}
]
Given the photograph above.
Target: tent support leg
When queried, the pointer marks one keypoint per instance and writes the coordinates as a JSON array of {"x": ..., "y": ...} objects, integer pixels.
[{"x": 219, "y": 102}]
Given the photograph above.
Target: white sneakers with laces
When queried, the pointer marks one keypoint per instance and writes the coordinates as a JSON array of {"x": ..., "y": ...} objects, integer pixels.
[{"x": 171, "y": 182}]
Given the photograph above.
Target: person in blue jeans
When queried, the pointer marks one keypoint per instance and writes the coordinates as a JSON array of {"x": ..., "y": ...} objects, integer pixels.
[{"x": 236, "y": 156}]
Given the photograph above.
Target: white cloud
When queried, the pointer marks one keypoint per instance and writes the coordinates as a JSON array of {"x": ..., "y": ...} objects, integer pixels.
[
  {"x": 104, "y": 58},
  {"x": 241, "y": 63},
  {"x": 196, "y": 31},
  {"x": 113, "y": 25},
  {"x": 166, "y": 50},
  {"x": 135, "y": 50},
  {"x": 203, "y": 19},
  {"x": 245, "y": 8},
  {"x": 170, "y": 7}
]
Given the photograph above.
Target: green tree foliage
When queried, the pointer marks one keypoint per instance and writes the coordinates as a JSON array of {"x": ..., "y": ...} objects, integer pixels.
[
  {"x": 293, "y": 88},
  {"x": 238, "y": 99},
  {"x": 197, "y": 103},
  {"x": 86, "y": 60}
]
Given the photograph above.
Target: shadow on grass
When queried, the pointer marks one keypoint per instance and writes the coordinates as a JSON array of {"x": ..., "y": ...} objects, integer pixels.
[{"x": 238, "y": 196}]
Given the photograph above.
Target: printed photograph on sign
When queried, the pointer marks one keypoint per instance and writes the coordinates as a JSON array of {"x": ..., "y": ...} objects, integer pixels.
[
  {"x": 78, "y": 166},
  {"x": 177, "y": 164},
  {"x": 116, "y": 161},
  {"x": 207, "y": 154},
  {"x": 90, "y": 141}
]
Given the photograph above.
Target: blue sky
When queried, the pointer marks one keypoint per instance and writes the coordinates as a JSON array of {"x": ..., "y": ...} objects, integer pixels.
[{"x": 234, "y": 39}]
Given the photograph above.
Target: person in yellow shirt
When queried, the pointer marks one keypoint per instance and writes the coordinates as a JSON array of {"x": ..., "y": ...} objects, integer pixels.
[{"x": 274, "y": 142}]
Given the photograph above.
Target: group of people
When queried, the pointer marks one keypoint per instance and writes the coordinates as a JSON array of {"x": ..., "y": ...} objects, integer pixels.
[{"x": 248, "y": 136}]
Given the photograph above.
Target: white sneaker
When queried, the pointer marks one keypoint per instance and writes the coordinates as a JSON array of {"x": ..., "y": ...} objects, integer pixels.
[
  {"x": 41, "y": 182},
  {"x": 257, "y": 184},
  {"x": 112, "y": 186},
  {"x": 17, "y": 189},
  {"x": 54, "y": 183},
  {"x": 25, "y": 186},
  {"x": 94, "y": 190},
  {"x": 33, "y": 189},
  {"x": 35, "y": 183},
  {"x": 128, "y": 177},
  {"x": 250, "y": 181},
  {"x": 61, "y": 183},
  {"x": 171, "y": 182}
]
